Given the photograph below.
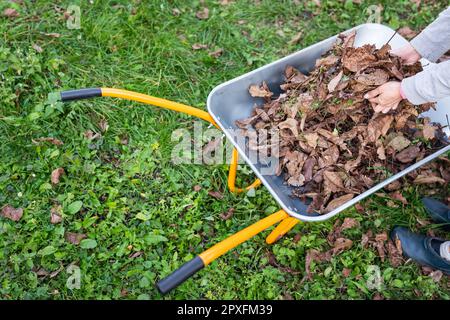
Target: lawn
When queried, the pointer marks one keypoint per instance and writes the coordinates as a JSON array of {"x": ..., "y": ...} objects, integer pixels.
[{"x": 141, "y": 215}]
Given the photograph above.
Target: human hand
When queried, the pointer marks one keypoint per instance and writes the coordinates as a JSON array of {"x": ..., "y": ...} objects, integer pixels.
[
  {"x": 386, "y": 97},
  {"x": 407, "y": 53}
]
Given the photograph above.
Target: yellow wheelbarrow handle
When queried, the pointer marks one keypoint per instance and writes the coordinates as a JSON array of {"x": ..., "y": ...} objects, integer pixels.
[
  {"x": 206, "y": 257},
  {"x": 135, "y": 96}
]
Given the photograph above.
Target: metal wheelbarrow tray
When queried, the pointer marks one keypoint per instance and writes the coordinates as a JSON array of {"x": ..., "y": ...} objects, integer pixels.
[{"x": 229, "y": 102}]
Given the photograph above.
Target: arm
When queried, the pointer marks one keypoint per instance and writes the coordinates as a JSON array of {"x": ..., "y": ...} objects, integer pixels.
[
  {"x": 429, "y": 85},
  {"x": 434, "y": 40}
]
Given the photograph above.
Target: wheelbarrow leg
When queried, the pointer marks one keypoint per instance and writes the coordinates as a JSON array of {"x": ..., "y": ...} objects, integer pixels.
[
  {"x": 282, "y": 228},
  {"x": 232, "y": 175},
  {"x": 203, "y": 259}
]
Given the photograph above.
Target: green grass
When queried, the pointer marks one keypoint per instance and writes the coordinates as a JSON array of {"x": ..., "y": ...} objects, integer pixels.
[{"x": 133, "y": 198}]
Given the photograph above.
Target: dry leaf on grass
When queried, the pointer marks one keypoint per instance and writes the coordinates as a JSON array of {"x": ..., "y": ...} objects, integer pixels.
[
  {"x": 216, "y": 194},
  {"x": 56, "y": 214},
  {"x": 399, "y": 196},
  {"x": 349, "y": 223},
  {"x": 37, "y": 48},
  {"x": 56, "y": 175},
  {"x": 75, "y": 238},
  {"x": 227, "y": 215},
  {"x": 51, "y": 140},
  {"x": 203, "y": 14},
  {"x": 12, "y": 213},
  {"x": 423, "y": 179},
  {"x": 10, "y": 13},
  {"x": 296, "y": 39},
  {"x": 198, "y": 46},
  {"x": 216, "y": 53}
]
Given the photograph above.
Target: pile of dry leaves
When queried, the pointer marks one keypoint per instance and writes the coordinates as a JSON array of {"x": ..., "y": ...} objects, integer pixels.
[{"x": 332, "y": 145}]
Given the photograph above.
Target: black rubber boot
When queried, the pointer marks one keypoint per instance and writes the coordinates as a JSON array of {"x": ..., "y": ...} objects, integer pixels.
[
  {"x": 421, "y": 249},
  {"x": 438, "y": 211}
]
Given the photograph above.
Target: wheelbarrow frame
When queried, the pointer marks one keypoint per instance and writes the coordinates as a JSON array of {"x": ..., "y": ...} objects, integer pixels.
[{"x": 289, "y": 216}]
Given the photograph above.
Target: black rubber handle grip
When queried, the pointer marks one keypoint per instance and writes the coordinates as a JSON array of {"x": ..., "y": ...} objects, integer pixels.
[
  {"x": 81, "y": 94},
  {"x": 180, "y": 275}
]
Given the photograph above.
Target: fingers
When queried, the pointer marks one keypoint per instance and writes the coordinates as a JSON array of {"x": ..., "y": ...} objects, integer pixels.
[
  {"x": 376, "y": 100},
  {"x": 385, "y": 108},
  {"x": 373, "y": 93}
]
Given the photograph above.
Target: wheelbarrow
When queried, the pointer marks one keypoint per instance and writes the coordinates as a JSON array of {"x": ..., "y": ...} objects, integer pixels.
[{"x": 229, "y": 102}]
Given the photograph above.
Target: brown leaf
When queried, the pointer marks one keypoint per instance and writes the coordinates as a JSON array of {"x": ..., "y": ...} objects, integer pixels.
[
  {"x": 342, "y": 244},
  {"x": 381, "y": 152},
  {"x": 327, "y": 61},
  {"x": 335, "y": 81},
  {"x": 203, "y": 14},
  {"x": 53, "y": 141},
  {"x": 425, "y": 179},
  {"x": 335, "y": 203},
  {"x": 379, "y": 126},
  {"x": 216, "y": 194},
  {"x": 308, "y": 168},
  {"x": 436, "y": 275},
  {"x": 197, "y": 188},
  {"x": 349, "y": 39},
  {"x": 103, "y": 125},
  {"x": 357, "y": 59},
  {"x": 395, "y": 257},
  {"x": 135, "y": 254},
  {"x": 408, "y": 155},
  {"x": 346, "y": 272},
  {"x": 12, "y": 213},
  {"x": 227, "y": 215},
  {"x": 10, "y": 13},
  {"x": 211, "y": 146},
  {"x": 290, "y": 124},
  {"x": 375, "y": 78},
  {"x": 332, "y": 182},
  {"x": 56, "y": 214},
  {"x": 260, "y": 91},
  {"x": 399, "y": 196},
  {"x": 399, "y": 143},
  {"x": 311, "y": 139},
  {"x": 75, "y": 238},
  {"x": 429, "y": 131},
  {"x": 198, "y": 46},
  {"x": 37, "y": 48},
  {"x": 381, "y": 237},
  {"x": 395, "y": 185},
  {"x": 90, "y": 135},
  {"x": 329, "y": 157},
  {"x": 52, "y": 35},
  {"x": 296, "y": 39},
  {"x": 56, "y": 175},
  {"x": 216, "y": 53},
  {"x": 349, "y": 223},
  {"x": 360, "y": 208}
]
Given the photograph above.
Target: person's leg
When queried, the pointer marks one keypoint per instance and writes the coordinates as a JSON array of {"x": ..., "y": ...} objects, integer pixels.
[
  {"x": 424, "y": 250},
  {"x": 438, "y": 211},
  {"x": 444, "y": 250}
]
